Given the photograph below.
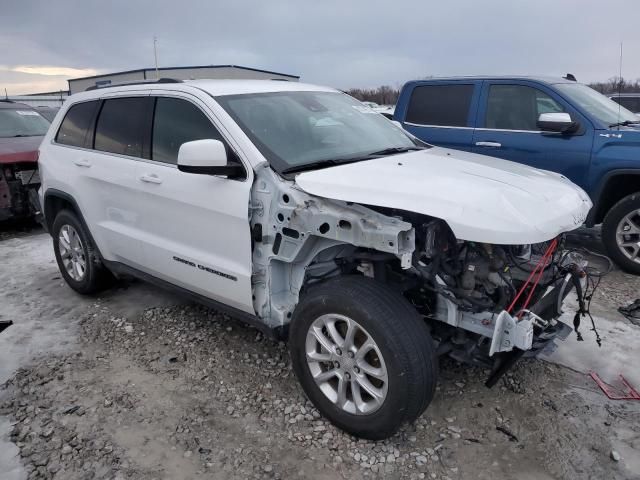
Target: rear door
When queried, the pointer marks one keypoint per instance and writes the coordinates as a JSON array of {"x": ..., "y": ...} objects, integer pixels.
[
  {"x": 97, "y": 163},
  {"x": 442, "y": 113},
  {"x": 195, "y": 227},
  {"x": 507, "y": 128}
]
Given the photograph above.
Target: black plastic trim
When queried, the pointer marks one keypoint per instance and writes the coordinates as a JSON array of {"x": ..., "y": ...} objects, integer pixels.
[
  {"x": 231, "y": 171},
  {"x": 128, "y": 84},
  {"x": 597, "y": 198},
  {"x": 277, "y": 333},
  {"x": 48, "y": 222}
]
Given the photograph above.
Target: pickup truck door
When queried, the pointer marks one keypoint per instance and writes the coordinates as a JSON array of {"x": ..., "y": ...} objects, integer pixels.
[
  {"x": 441, "y": 113},
  {"x": 196, "y": 232},
  {"x": 506, "y": 128}
]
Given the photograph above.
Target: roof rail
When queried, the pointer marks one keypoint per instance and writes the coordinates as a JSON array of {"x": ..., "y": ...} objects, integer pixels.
[
  {"x": 6, "y": 100},
  {"x": 126, "y": 84}
]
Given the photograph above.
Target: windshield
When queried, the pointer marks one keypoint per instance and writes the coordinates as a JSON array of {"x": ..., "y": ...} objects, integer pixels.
[
  {"x": 293, "y": 129},
  {"x": 21, "y": 123},
  {"x": 602, "y": 108}
]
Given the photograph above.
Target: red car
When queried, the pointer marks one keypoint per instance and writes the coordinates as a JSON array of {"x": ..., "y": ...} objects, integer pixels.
[{"x": 21, "y": 131}]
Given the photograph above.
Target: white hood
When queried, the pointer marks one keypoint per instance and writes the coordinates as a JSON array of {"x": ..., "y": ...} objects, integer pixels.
[{"x": 482, "y": 199}]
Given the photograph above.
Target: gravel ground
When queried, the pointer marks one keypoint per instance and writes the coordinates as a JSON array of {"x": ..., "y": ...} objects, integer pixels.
[{"x": 148, "y": 386}]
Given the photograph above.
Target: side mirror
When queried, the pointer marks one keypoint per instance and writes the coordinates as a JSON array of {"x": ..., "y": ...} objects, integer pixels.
[
  {"x": 207, "y": 157},
  {"x": 557, "y": 122}
]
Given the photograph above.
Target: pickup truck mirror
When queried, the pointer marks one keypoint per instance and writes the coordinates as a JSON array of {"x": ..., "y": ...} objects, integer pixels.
[
  {"x": 207, "y": 157},
  {"x": 557, "y": 122}
]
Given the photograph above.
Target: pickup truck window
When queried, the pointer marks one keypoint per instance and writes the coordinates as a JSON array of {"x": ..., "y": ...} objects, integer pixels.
[
  {"x": 517, "y": 107},
  {"x": 442, "y": 105},
  {"x": 602, "y": 108},
  {"x": 630, "y": 103}
]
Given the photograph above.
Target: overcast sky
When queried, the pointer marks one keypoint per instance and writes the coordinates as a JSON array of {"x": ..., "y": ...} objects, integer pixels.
[{"x": 340, "y": 43}]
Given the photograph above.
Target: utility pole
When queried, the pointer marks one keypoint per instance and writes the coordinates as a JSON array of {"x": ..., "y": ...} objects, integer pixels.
[{"x": 155, "y": 54}]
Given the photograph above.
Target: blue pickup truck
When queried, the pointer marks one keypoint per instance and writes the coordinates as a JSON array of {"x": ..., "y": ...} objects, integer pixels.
[{"x": 550, "y": 123}]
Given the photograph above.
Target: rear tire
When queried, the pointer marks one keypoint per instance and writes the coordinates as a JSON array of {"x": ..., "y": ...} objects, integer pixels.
[
  {"x": 403, "y": 364},
  {"x": 621, "y": 233},
  {"x": 77, "y": 256}
]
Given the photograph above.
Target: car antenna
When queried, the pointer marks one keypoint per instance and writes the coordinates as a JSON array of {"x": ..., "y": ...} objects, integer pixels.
[
  {"x": 6, "y": 95},
  {"x": 570, "y": 76},
  {"x": 619, "y": 86}
]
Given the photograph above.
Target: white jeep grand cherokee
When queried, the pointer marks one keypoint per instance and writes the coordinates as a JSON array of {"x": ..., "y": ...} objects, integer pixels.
[{"x": 303, "y": 212}]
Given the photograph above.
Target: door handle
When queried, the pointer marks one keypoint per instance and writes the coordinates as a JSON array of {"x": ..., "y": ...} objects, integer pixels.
[
  {"x": 488, "y": 144},
  {"x": 82, "y": 162},
  {"x": 150, "y": 178}
]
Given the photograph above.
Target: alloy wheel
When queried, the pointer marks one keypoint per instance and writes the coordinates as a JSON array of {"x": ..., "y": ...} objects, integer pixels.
[
  {"x": 346, "y": 364},
  {"x": 72, "y": 252},
  {"x": 628, "y": 236}
]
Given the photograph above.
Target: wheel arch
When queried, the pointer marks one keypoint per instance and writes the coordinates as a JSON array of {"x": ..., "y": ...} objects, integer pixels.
[
  {"x": 54, "y": 202},
  {"x": 614, "y": 186}
]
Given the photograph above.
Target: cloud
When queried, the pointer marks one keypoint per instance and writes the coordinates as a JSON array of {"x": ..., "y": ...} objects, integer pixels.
[
  {"x": 18, "y": 83},
  {"x": 55, "y": 71},
  {"x": 342, "y": 44}
]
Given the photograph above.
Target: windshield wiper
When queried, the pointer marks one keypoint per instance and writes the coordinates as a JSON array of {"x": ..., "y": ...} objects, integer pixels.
[
  {"x": 624, "y": 124},
  {"x": 331, "y": 162},
  {"x": 393, "y": 151},
  {"x": 342, "y": 161}
]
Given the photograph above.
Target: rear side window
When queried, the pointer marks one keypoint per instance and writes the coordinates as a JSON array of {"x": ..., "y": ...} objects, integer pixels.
[
  {"x": 630, "y": 103},
  {"x": 175, "y": 122},
  {"x": 123, "y": 125},
  {"x": 443, "y": 105},
  {"x": 77, "y": 122}
]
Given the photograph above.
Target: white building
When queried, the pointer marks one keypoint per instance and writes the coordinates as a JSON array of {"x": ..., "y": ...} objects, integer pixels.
[{"x": 179, "y": 73}]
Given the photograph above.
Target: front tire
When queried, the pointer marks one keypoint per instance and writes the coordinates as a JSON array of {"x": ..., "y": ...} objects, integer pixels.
[
  {"x": 76, "y": 255},
  {"x": 363, "y": 356},
  {"x": 621, "y": 233}
]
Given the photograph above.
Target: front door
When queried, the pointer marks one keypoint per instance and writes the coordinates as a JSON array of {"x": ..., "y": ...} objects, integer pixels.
[
  {"x": 196, "y": 230},
  {"x": 507, "y": 129}
]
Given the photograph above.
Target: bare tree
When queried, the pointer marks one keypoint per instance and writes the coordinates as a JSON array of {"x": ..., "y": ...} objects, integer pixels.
[
  {"x": 384, "y": 95},
  {"x": 615, "y": 85}
]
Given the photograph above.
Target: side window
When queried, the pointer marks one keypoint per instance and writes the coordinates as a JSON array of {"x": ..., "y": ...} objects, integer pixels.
[
  {"x": 445, "y": 105},
  {"x": 175, "y": 122},
  {"x": 517, "y": 107},
  {"x": 630, "y": 103},
  {"x": 123, "y": 125},
  {"x": 77, "y": 122}
]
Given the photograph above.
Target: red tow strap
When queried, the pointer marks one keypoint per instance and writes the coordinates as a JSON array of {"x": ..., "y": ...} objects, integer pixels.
[
  {"x": 537, "y": 272},
  {"x": 630, "y": 394}
]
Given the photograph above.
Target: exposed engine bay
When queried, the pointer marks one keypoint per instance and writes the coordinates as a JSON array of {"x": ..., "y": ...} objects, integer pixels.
[{"x": 485, "y": 303}]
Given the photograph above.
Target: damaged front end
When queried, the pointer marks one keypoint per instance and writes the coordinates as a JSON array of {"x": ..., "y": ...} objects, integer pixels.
[
  {"x": 484, "y": 303},
  {"x": 493, "y": 303}
]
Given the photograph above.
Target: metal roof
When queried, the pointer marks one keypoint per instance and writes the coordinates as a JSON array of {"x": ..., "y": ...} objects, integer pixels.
[{"x": 140, "y": 70}]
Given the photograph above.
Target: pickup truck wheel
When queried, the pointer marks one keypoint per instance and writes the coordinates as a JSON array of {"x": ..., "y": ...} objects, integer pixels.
[
  {"x": 621, "y": 233},
  {"x": 76, "y": 255},
  {"x": 363, "y": 356}
]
